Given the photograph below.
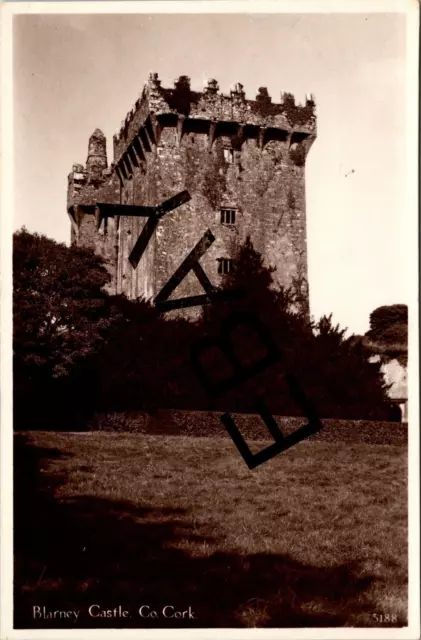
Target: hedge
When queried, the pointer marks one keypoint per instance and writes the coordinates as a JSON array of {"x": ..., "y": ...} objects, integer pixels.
[{"x": 202, "y": 423}]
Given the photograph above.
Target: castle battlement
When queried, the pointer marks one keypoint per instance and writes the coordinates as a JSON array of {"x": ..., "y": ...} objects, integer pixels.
[{"x": 158, "y": 106}]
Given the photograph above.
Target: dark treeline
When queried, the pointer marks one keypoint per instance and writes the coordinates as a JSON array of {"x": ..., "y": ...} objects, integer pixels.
[{"x": 78, "y": 351}]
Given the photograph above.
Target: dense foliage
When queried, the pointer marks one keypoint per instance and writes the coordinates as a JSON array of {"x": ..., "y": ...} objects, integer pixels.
[
  {"x": 79, "y": 350},
  {"x": 337, "y": 378},
  {"x": 147, "y": 364},
  {"x": 61, "y": 317}
]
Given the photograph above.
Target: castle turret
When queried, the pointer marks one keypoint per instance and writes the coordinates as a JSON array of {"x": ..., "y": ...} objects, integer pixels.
[
  {"x": 97, "y": 155},
  {"x": 96, "y": 182}
]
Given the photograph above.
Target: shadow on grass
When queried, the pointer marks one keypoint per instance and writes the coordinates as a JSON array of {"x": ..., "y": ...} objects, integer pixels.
[{"x": 75, "y": 553}]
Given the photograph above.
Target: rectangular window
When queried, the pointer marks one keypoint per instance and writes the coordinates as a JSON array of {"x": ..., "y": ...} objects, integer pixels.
[
  {"x": 228, "y": 155},
  {"x": 228, "y": 216},
  {"x": 225, "y": 265}
]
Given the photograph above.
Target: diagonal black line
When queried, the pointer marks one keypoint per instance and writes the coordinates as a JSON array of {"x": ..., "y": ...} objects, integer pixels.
[
  {"x": 125, "y": 209},
  {"x": 173, "y": 203},
  {"x": 269, "y": 421},
  {"x": 203, "y": 278},
  {"x": 238, "y": 439},
  {"x": 187, "y": 265},
  {"x": 153, "y": 213},
  {"x": 302, "y": 400},
  {"x": 98, "y": 217},
  {"x": 142, "y": 241}
]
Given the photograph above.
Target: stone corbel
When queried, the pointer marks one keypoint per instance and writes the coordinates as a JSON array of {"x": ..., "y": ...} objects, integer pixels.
[
  {"x": 138, "y": 148},
  {"x": 72, "y": 216},
  {"x": 180, "y": 128},
  {"x": 308, "y": 141},
  {"x": 123, "y": 168},
  {"x": 119, "y": 173},
  {"x": 98, "y": 218},
  {"x": 212, "y": 134},
  {"x": 261, "y": 137},
  {"x": 155, "y": 128},
  {"x": 240, "y": 134},
  {"x": 144, "y": 138},
  {"x": 78, "y": 214},
  {"x": 133, "y": 156},
  {"x": 127, "y": 164}
]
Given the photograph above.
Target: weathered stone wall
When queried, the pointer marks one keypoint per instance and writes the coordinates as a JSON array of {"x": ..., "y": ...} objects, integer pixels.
[
  {"x": 265, "y": 187},
  {"x": 175, "y": 139}
]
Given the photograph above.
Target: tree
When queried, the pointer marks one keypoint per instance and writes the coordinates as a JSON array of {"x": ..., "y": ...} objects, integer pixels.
[
  {"x": 277, "y": 307},
  {"x": 388, "y": 334},
  {"x": 62, "y": 316},
  {"x": 342, "y": 380},
  {"x": 333, "y": 372},
  {"x": 382, "y": 318}
]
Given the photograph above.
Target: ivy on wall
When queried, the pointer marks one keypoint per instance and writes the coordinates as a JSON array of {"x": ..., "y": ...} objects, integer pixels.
[
  {"x": 298, "y": 155},
  {"x": 297, "y": 115}
]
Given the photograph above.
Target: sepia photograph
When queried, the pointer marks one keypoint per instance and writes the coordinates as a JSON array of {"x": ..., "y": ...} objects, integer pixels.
[{"x": 210, "y": 319}]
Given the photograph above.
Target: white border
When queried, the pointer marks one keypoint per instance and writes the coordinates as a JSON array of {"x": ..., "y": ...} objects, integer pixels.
[{"x": 408, "y": 7}]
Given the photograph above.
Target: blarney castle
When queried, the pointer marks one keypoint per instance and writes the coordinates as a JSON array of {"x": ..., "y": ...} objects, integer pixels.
[{"x": 243, "y": 163}]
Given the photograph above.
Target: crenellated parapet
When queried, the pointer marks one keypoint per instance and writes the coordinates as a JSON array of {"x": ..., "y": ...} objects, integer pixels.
[{"x": 211, "y": 112}]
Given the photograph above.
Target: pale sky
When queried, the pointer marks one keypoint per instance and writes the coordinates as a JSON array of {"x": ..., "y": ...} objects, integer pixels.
[{"x": 73, "y": 73}]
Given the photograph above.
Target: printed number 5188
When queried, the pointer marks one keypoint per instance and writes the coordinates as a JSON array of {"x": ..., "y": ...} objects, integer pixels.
[{"x": 384, "y": 618}]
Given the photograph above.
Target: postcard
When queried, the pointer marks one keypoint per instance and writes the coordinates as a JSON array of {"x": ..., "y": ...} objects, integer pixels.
[{"x": 209, "y": 320}]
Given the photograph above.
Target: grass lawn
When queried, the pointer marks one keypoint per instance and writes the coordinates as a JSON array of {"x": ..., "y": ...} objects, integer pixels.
[{"x": 315, "y": 537}]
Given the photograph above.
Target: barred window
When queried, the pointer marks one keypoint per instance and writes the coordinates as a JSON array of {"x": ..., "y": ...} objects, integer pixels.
[
  {"x": 225, "y": 265},
  {"x": 228, "y": 216}
]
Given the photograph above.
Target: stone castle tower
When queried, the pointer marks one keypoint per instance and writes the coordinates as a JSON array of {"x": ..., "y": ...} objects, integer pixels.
[{"x": 241, "y": 160}]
